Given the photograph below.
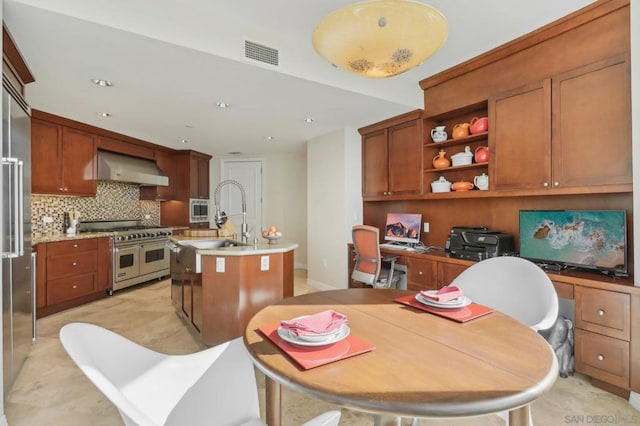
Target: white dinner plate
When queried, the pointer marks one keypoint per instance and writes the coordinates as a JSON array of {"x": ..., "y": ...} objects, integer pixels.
[
  {"x": 462, "y": 302},
  {"x": 452, "y": 302},
  {"x": 290, "y": 337}
]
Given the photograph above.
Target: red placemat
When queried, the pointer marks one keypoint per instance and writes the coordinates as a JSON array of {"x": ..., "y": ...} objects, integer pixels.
[
  {"x": 314, "y": 356},
  {"x": 474, "y": 310}
]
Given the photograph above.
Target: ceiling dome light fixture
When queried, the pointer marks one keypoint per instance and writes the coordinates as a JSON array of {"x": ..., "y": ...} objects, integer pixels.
[
  {"x": 223, "y": 105},
  {"x": 380, "y": 38},
  {"x": 102, "y": 83}
]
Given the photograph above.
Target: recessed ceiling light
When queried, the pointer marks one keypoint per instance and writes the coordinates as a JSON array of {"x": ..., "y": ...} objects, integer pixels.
[
  {"x": 102, "y": 83},
  {"x": 223, "y": 105},
  {"x": 184, "y": 141},
  {"x": 103, "y": 114},
  {"x": 308, "y": 120},
  {"x": 269, "y": 138}
]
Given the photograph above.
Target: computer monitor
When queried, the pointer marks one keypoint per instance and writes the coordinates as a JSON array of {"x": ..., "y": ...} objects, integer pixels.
[{"x": 403, "y": 227}]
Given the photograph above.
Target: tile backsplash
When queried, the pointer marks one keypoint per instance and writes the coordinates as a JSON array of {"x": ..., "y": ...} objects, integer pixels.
[{"x": 113, "y": 201}]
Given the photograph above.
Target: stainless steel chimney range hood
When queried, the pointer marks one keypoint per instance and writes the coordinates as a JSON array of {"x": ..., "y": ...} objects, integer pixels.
[{"x": 123, "y": 168}]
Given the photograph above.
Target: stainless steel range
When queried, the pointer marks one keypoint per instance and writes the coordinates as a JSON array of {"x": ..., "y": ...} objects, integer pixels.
[{"x": 140, "y": 252}]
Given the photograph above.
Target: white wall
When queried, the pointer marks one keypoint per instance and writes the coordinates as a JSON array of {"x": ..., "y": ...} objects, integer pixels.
[
  {"x": 334, "y": 205},
  {"x": 284, "y": 197}
]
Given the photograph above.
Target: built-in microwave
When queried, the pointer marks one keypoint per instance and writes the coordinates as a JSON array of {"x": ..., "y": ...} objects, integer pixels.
[{"x": 198, "y": 210}]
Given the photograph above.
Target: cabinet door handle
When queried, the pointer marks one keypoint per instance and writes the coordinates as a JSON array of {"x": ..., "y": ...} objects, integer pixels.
[
  {"x": 74, "y": 286},
  {"x": 75, "y": 246},
  {"x": 600, "y": 312},
  {"x": 556, "y": 184},
  {"x": 74, "y": 264},
  {"x": 420, "y": 272},
  {"x": 600, "y": 357},
  {"x": 546, "y": 184}
]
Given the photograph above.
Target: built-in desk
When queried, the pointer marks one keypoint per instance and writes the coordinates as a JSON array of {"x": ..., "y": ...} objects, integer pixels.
[{"x": 607, "y": 313}]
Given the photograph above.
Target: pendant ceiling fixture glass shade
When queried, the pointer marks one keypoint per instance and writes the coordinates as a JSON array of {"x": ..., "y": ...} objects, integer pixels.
[{"x": 380, "y": 38}]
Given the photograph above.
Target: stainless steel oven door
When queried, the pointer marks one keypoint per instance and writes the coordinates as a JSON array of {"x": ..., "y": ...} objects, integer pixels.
[
  {"x": 154, "y": 257},
  {"x": 126, "y": 262}
]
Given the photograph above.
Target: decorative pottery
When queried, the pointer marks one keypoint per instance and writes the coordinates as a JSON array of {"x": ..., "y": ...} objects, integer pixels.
[
  {"x": 438, "y": 134},
  {"x": 460, "y": 130},
  {"x": 462, "y": 158},
  {"x": 481, "y": 182},
  {"x": 478, "y": 125},
  {"x": 441, "y": 185},
  {"x": 462, "y": 186},
  {"x": 440, "y": 161},
  {"x": 482, "y": 154}
]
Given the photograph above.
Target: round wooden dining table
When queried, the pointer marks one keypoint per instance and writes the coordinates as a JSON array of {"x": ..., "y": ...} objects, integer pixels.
[{"x": 421, "y": 364}]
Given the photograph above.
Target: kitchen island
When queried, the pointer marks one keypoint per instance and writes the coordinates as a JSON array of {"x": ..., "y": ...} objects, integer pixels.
[{"x": 217, "y": 285}]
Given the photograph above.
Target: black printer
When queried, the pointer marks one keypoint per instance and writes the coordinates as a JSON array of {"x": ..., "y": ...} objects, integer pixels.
[{"x": 477, "y": 243}]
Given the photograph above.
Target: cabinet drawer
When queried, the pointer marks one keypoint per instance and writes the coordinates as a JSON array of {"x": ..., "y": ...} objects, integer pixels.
[
  {"x": 602, "y": 357},
  {"x": 447, "y": 272},
  {"x": 74, "y": 264},
  {"x": 73, "y": 246},
  {"x": 604, "y": 312},
  {"x": 69, "y": 288},
  {"x": 421, "y": 274}
]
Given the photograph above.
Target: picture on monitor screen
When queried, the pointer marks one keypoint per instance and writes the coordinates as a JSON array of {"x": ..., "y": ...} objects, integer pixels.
[
  {"x": 403, "y": 227},
  {"x": 594, "y": 239}
]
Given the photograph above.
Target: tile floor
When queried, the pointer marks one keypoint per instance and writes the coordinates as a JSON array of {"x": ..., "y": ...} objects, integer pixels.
[{"x": 52, "y": 391}]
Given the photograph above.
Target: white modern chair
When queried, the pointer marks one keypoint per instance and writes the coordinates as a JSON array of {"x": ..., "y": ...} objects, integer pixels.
[
  {"x": 514, "y": 286},
  {"x": 213, "y": 386}
]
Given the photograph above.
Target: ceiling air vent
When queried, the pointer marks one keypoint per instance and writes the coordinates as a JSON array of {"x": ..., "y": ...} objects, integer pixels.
[{"x": 260, "y": 53}]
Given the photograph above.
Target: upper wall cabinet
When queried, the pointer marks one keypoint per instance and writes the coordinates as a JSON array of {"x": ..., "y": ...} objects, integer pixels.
[
  {"x": 565, "y": 132},
  {"x": 199, "y": 175},
  {"x": 63, "y": 160},
  {"x": 167, "y": 163},
  {"x": 392, "y": 157}
]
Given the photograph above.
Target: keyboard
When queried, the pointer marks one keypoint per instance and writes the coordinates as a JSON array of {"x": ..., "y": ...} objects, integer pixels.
[{"x": 392, "y": 246}]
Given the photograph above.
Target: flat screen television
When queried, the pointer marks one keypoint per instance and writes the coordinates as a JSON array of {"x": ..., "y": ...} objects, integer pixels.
[
  {"x": 403, "y": 227},
  {"x": 591, "y": 239}
]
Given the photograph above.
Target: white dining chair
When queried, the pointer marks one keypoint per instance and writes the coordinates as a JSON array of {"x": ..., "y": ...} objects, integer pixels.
[
  {"x": 514, "y": 286},
  {"x": 213, "y": 386}
]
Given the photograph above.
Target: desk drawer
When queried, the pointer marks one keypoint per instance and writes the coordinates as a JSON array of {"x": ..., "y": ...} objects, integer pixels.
[
  {"x": 602, "y": 357},
  {"x": 604, "y": 312},
  {"x": 421, "y": 274}
]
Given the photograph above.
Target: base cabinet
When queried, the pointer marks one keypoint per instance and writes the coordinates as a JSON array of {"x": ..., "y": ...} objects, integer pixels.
[
  {"x": 220, "y": 301},
  {"x": 72, "y": 273},
  {"x": 603, "y": 333}
]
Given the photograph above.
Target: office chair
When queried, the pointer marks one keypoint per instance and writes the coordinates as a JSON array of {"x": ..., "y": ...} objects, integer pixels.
[
  {"x": 368, "y": 261},
  {"x": 216, "y": 386}
]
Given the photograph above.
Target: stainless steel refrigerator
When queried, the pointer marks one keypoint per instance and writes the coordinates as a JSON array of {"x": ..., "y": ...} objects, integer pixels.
[{"x": 18, "y": 262}]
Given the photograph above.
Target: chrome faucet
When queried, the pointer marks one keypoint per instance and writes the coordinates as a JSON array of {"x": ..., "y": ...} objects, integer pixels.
[{"x": 221, "y": 217}]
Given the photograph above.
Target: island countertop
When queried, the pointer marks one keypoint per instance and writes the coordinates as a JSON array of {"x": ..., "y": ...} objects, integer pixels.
[{"x": 238, "y": 250}]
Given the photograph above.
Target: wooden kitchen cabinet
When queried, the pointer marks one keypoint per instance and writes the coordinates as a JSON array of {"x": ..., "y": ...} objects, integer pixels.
[
  {"x": 167, "y": 164},
  {"x": 199, "y": 175},
  {"x": 72, "y": 272},
  {"x": 567, "y": 131},
  {"x": 191, "y": 181},
  {"x": 603, "y": 333},
  {"x": 392, "y": 156},
  {"x": 63, "y": 159},
  {"x": 429, "y": 274}
]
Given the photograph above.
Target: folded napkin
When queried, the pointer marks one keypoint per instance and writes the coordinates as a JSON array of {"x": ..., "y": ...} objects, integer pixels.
[
  {"x": 320, "y": 323},
  {"x": 445, "y": 294}
]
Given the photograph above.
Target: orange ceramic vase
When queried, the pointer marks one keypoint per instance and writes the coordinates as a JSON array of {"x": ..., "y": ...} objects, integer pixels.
[
  {"x": 460, "y": 130},
  {"x": 440, "y": 161}
]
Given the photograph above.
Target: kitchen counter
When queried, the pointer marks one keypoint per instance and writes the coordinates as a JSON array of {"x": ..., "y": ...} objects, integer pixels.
[
  {"x": 50, "y": 238},
  {"x": 239, "y": 250},
  {"x": 218, "y": 289}
]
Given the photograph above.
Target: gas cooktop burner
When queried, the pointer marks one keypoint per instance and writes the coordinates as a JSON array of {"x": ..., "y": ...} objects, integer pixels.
[{"x": 127, "y": 230}]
